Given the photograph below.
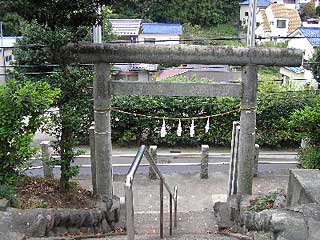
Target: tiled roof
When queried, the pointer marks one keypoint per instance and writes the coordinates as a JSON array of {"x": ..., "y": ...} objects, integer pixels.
[
  {"x": 265, "y": 23},
  {"x": 281, "y": 11},
  {"x": 161, "y": 28},
  {"x": 171, "y": 72},
  {"x": 312, "y": 34},
  {"x": 126, "y": 27},
  {"x": 260, "y": 3}
]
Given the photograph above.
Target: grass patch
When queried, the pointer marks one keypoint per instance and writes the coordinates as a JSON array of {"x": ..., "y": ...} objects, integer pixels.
[{"x": 221, "y": 30}]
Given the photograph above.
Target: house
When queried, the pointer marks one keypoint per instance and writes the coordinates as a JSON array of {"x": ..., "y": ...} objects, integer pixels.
[
  {"x": 295, "y": 4},
  {"x": 126, "y": 29},
  {"x": 244, "y": 10},
  {"x": 6, "y": 57},
  {"x": 298, "y": 78},
  {"x": 277, "y": 20},
  {"x": 144, "y": 33},
  {"x": 134, "y": 72},
  {"x": 160, "y": 33},
  {"x": 306, "y": 39},
  {"x": 214, "y": 73}
]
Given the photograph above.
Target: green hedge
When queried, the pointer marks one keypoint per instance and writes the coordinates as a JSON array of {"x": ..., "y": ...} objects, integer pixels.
[{"x": 274, "y": 111}]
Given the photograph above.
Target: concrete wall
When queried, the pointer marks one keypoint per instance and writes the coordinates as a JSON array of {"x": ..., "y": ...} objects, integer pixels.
[
  {"x": 303, "y": 187},
  {"x": 143, "y": 76},
  {"x": 160, "y": 37}
]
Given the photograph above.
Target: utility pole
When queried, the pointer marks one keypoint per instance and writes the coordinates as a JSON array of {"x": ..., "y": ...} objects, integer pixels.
[
  {"x": 252, "y": 23},
  {"x": 3, "y": 62},
  {"x": 97, "y": 32}
]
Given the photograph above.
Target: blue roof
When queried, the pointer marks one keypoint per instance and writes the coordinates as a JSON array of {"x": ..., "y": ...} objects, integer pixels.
[
  {"x": 161, "y": 28},
  {"x": 260, "y": 3},
  {"x": 312, "y": 34},
  {"x": 295, "y": 69}
]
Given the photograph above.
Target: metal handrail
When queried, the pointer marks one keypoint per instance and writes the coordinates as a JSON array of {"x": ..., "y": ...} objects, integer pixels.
[{"x": 129, "y": 194}]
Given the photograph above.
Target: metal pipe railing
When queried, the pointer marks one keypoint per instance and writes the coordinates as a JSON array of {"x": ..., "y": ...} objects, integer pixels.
[{"x": 173, "y": 200}]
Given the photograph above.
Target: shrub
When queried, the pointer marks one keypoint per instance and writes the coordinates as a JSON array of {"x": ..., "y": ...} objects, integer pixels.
[
  {"x": 310, "y": 157},
  {"x": 22, "y": 105},
  {"x": 274, "y": 111}
]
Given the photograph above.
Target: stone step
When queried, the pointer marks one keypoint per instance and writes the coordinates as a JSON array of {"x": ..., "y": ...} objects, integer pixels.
[
  {"x": 193, "y": 222},
  {"x": 179, "y": 237}
]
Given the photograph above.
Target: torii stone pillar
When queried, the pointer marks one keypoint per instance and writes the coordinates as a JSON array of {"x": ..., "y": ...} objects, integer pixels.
[
  {"x": 102, "y": 133},
  {"x": 247, "y": 58},
  {"x": 247, "y": 129}
]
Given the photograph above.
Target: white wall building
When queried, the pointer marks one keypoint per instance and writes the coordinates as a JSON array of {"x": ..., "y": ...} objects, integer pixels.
[
  {"x": 6, "y": 57},
  {"x": 298, "y": 78},
  {"x": 277, "y": 20},
  {"x": 306, "y": 39},
  {"x": 244, "y": 9},
  {"x": 126, "y": 29},
  {"x": 160, "y": 33}
]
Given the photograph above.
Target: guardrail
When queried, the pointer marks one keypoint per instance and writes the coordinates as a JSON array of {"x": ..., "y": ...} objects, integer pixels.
[{"x": 129, "y": 194}]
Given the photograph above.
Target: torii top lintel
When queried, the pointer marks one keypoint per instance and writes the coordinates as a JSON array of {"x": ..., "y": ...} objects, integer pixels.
[{"x": 178, "y": 54}]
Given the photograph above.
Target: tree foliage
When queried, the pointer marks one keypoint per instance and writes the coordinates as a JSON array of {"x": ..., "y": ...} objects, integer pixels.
[
  {"x": 11, "y": 23},
  {"x": 51, "y": 25},
  {"x": 306, "y": 122},
  {"x": 308, "y": 10},
  {"x": 53, "y": 14},
  {"x": 204, "y": 13},
  {"x": 22, "y": 105},
  {"x": 274, "y": 111},
  {"x": 316, "y": 67}
]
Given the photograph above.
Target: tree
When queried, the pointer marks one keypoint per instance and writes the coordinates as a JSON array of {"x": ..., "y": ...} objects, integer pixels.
[
  {"x": 316, "y": 67},
  {"x": 205, "y": 13},
  {"x": 11, "y": 23},
  {"x": 22, "y": 105},
  {"x": 306, "y": 123},
  {"x": 53, "y": 14},
  {"x": 308, "y": 10},
  {"x": 51, "y": 25},
  {"x": 318, "y": 11}
]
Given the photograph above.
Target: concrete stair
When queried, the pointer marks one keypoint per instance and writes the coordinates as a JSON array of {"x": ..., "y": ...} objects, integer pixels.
[
  {"x": 179, "y": 237},
  {"x": 193, "y": 225}
]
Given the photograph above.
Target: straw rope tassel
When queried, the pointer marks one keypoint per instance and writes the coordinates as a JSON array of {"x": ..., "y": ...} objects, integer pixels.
[
  {"x": 192, "y": 128},
  {"x": 163, "y": 131},
  {"x": 179, "y": 129},
  {"x": 207, "y": 127}
]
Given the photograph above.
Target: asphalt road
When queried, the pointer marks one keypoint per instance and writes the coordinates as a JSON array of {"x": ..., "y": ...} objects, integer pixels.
[{"x": 187, "y": 164}]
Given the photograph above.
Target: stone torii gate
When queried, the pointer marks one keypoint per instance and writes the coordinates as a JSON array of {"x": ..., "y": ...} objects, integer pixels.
[{"x": 103, "y": 55}]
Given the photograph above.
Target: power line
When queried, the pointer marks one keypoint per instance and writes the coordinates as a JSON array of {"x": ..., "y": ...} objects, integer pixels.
[{"x": 213, "y": 38}]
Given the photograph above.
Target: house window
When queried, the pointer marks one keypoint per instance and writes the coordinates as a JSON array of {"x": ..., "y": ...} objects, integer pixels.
[
  {"x": 150, "y": 40},
  {"x": 8, "y": 58},
  {"x": 246, "y": 14},
  {"x": 281, "y": 23},
  {"x": 271, "y": 23}
]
